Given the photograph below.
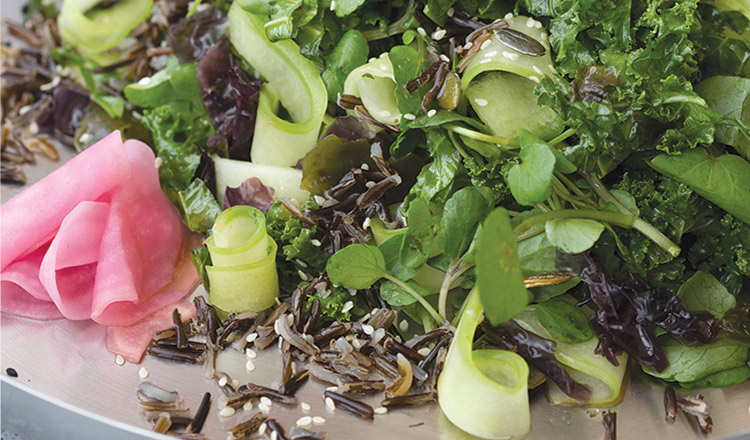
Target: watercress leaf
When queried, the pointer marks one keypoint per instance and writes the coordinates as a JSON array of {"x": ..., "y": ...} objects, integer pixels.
[
  {"x": 543, "y": 293},
  {"x": 530, "y": 180},
  {"x": 704, "y": 293},
  {"x": 499, "y": 277},
  {"x": 537, "y": 255},
  {"x": 417, "y": 245},
  {"x": 356, "y": 266},
  {"x": 350, "y": 53},
  {"x": 573, "y": 235},
  {"x": 437, "y": 10},
  {"x": 721, "y": 379},
  {"x": 391, "y": 250},
  {"x": 174, "y": 82},
  {"x": 563, "y": 321},
  {"x": 198, "y": 206},
  {"x": 562, "y": 163},
  {"x": 729, "y": 96},
  {"x": 437, "y": 177},
  {"x": 692, "y": 363},
  {"x": 462, "y": 213},
  {"x": 346, "y": 7},
  {"x": 723, "y": 180},
  {"x": 396, "y": 296},
  {"x": 407, "y": 64}
]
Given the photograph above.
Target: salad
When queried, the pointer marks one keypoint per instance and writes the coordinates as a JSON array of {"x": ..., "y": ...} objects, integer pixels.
[{"x": 439, "y": 201}]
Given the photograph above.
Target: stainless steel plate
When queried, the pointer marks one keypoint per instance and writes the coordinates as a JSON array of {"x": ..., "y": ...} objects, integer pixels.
[{"x": 64, "y": 366}]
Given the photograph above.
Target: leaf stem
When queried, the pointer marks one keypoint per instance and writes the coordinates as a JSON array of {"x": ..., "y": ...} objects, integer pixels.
[
  {"x": 473, "y": 134},
  {"x": 420, "y": 299},
  {"x": 562, "y": 136},
  {"x": 452, "y": 274}
]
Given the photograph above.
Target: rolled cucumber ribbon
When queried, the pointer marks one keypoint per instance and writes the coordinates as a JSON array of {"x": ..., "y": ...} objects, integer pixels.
[
  {"x": 584, "y": 365},
  {"x": 242, "y": 275},
  {"x": 92, "y": 30},
  {"x": 483, "y": 392},
  {"x": 293, "y": 80},
  {"x": 374, "y": 84}
]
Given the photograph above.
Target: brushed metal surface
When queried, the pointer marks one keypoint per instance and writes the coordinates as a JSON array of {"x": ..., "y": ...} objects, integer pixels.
[{"x": 67, "y": 364}]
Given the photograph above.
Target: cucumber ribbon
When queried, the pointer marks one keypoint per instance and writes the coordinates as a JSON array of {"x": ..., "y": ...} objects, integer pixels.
[
  {"x": 242, "y": 274},
  {"x": 374, "y": 84},
  {"x": 93, "y": 31},
  {"x": 483, "y": 392},
  {"x": 293, "y": 81}
]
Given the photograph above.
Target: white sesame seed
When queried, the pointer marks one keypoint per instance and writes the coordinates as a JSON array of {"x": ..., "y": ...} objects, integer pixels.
[
  {"x": 332, "y": 389},
  {"x": 551, "y": 67},
  {"x": 544, "y": 35},
  {"x": 538, "y": 24},
  {"x": 300, "y": 262},
  {"x": 315, "y": 242},
  {"x": 370, "y": 184},
  {"x": 264, "y": 408},
  {"x": 381, "y": 410},
  {"x": 223, "y": 381},
  {"x": 227, "y": 411},
  {"x": 143, "y": 373},
  {"x": 235, "y": 383},
  {"x": 157, "y": 162},
  {"x": 438, "y": 34},
  {"x": 513, "y": 56},
  {"x": 33, "y": 128},
  {"x": 384, "y": 114},
  {"x": 403, "y": 325},
  {"x": 347, "y": 306},
  {"x": 25, "y": 109},
  {"x": 410, "y": 117},
  {"x": 319, "y": 420},
  {"x": 538, "y": 70},
  {"x": 490, "y": 54},
  {"x": 86, "y": 138},
  {"x": 471, "y": 313},
  {"x": 384, "y": 67},
  {"x": 530, "y": 22},
  {"x": 251, "y": 337},
  {"x": 319, "y": 200},
  {"x": 262, "y": 429},
  {"x": 534, "y": 78},
  {"x": 450, "y": 12},
  {"x": 249, "y": 352},
  {"x": 144, "y": 81},
  {"x": 424, "y": 351},
  {"x": 333, "y": 5},
  {"x": 303, "y": 276},
  {"x": 305, "y": 407},
  {"x": 508, "y": 16},
  {"x": 266, "y": 401},
  {"x": 274, "y": 435},
  {"x": 378, "y": 335},
  {"x": 250, "y": 366},
  {"x": 330, "y": 404},
  {"x": 247, "y": 407},
  {"x": 485, "y": 44},
  {"x": 366, "y": 223},
  {"x": 365, "y": 167},
  {"x": 480, "y": 102},
  {"x": 486, "y": 60},
  {"x": 368, "y": 329},
  {"x": 119, "y": 360},
  {"x": 506, "y": 54},
  {"x": 468, "y": 45},
  {"x": 371, "y": 59},
  {"x": 383, "y": 55},
  {"x": 510, "y": 22},
  {"x": 445, "y": 58},
  {"x": 431, "y": 113},
  {"x": 421, "y": 31},
  {"x": 304, "y": 422}
]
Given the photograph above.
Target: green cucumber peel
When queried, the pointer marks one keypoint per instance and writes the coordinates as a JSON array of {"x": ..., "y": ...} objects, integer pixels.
[
  {"x": 483, "y": 392},
  {"x": 292, "y": 79},
  {"x": 242, "y": 274},
  {"x": 375, "y": 85}
]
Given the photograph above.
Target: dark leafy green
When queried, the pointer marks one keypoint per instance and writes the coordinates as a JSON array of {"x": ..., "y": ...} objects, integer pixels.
[
  {"x": 530, "y": 181},
  {"x": 397, "y": 297},
  {"x": 350, "y": 53},
  {"x": 417, "y": 245},
  {"x": 357, "y": 266},
  {"x": 462, "y": 214},
  {"x": 704, "y": 293},
  {"x": 563, "y": 321},
  {"x": 198, "y": 206},
  {"x": 689, "y": 364}
]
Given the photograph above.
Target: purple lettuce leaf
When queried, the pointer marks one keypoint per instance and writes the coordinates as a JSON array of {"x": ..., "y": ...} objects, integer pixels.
[{"x": 251, "y": 192}]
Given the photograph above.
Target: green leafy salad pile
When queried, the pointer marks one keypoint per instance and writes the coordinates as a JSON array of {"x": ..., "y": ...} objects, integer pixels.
[{"x": 563, "y": 184}]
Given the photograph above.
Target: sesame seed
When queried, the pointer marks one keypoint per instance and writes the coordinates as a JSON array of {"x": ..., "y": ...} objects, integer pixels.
[
  {"x": 513, "y": 56},
  {"x": 468, "y": 45},
  {"x": 119, "y": 360},
  {"x": 438, "y": 34},
  {"x": 471, "y": 313},
  {"x": 530, "y": 22},
  {"x": 450, "y": 12},
  {"x": 384, "y": 114},
  {"x": 303, "y": 276},
  {"x": 508, "y": 16},
  {"x": 235, "y": 383},
  {"x": 381, "y": 410},
  {"x": 424, "y": 351},
  {"x": 223, "y": 381},
  {"x": 315, "y": 242},
  {"x": 262, "y": 429},
  {"x": 304, "y": 422},
  {"x": 33, "y": 128},
  {"x": 383, "y": 55},
  {"x": 352, "y": 292},
  {"x": 251, "y": 337},
  {"x": 410, "y": 116},
  {"x": 143, "y": 373},
  {"x": 249, "y": 352},
  {"x": 274, "y": 435},
  {"x": 480, "y": 102},
  {"x": 266, "y": 401},
  {"x": 319, "y": 200},
  {"x": 332, "y": 389},
  {"x": 300, "y": 262},
  {"x": 403, "y": 325},
  {"x": 538, "y": 24},
  {"x": 227, "y": 411},
  {"x": 371, "y": 59},
  {"x": 347, "y": 306},
  {"x": 250, "y": 366},
  {"x": 330, "y": 405},
  {"x": 533, "y": 78},
  {"x": 157, "y": 162},
  {"x": 431, "y": 113},
  {"x": 25, "y": 109},
  {"x": 318, "y": 420},
  {"x": 86, "y": 138},
  {"x": 486, "y": 60},
  {"x": 490, "y": 54},
  {"x": 384, "y": 67},
  {"x": 368, "y": 329},
  {"x": 445, "y": 58},
  {"x": 366, "y": 223},
  {"x": 264, "y": 408},
  {"x": 144, "y": 81},
  {"x": 538, "y": 70},
  {"x": 333, "y": 5},
  {"x": 247, "y": 407},
  {"x": 365, "y": 167},
  {"x": 305, "y": 407},
  {"x": 421, "y": 31},
  {"x": 544, "y": 35},
  {"x": 485, "y": 44}
]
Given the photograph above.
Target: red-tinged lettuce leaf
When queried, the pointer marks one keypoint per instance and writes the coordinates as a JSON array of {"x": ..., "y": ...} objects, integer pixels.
[
  {"x": 65, "y": 113},
  {"x": 349, "y": 128},
  {"x": 191, "y": 37},
  {"x": 230, "y": 97},
  {"x": 251, "y": 192}
]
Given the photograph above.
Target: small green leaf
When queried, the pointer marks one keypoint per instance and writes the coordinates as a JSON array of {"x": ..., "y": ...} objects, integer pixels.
[
  {"x": 202, "y": 258},
  {"x": 356, "y": 266},
  {"x": 573, "y": 235},
  {"x": 198, "y": 206},
  {"x": 499, "y": 277},
  {"x": 396, "y": 296},
  {"x": 407, "y": 63},
  {"x": 350, "y": 53},
  {"x": 562, "y": 163},
  {"x": 704, "y": 293},
  {"x": 530, "y": 181},
  {"x": 564, "y": 322},
  {"x": 543, "y": 293},
  {"x": 690, "y": 364},
  {"x": 626, "y": 200},
  {"x": 462, "y": 213},
  {"x": 391, "y": 249},
  {"x": 417, "y": 245}
]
